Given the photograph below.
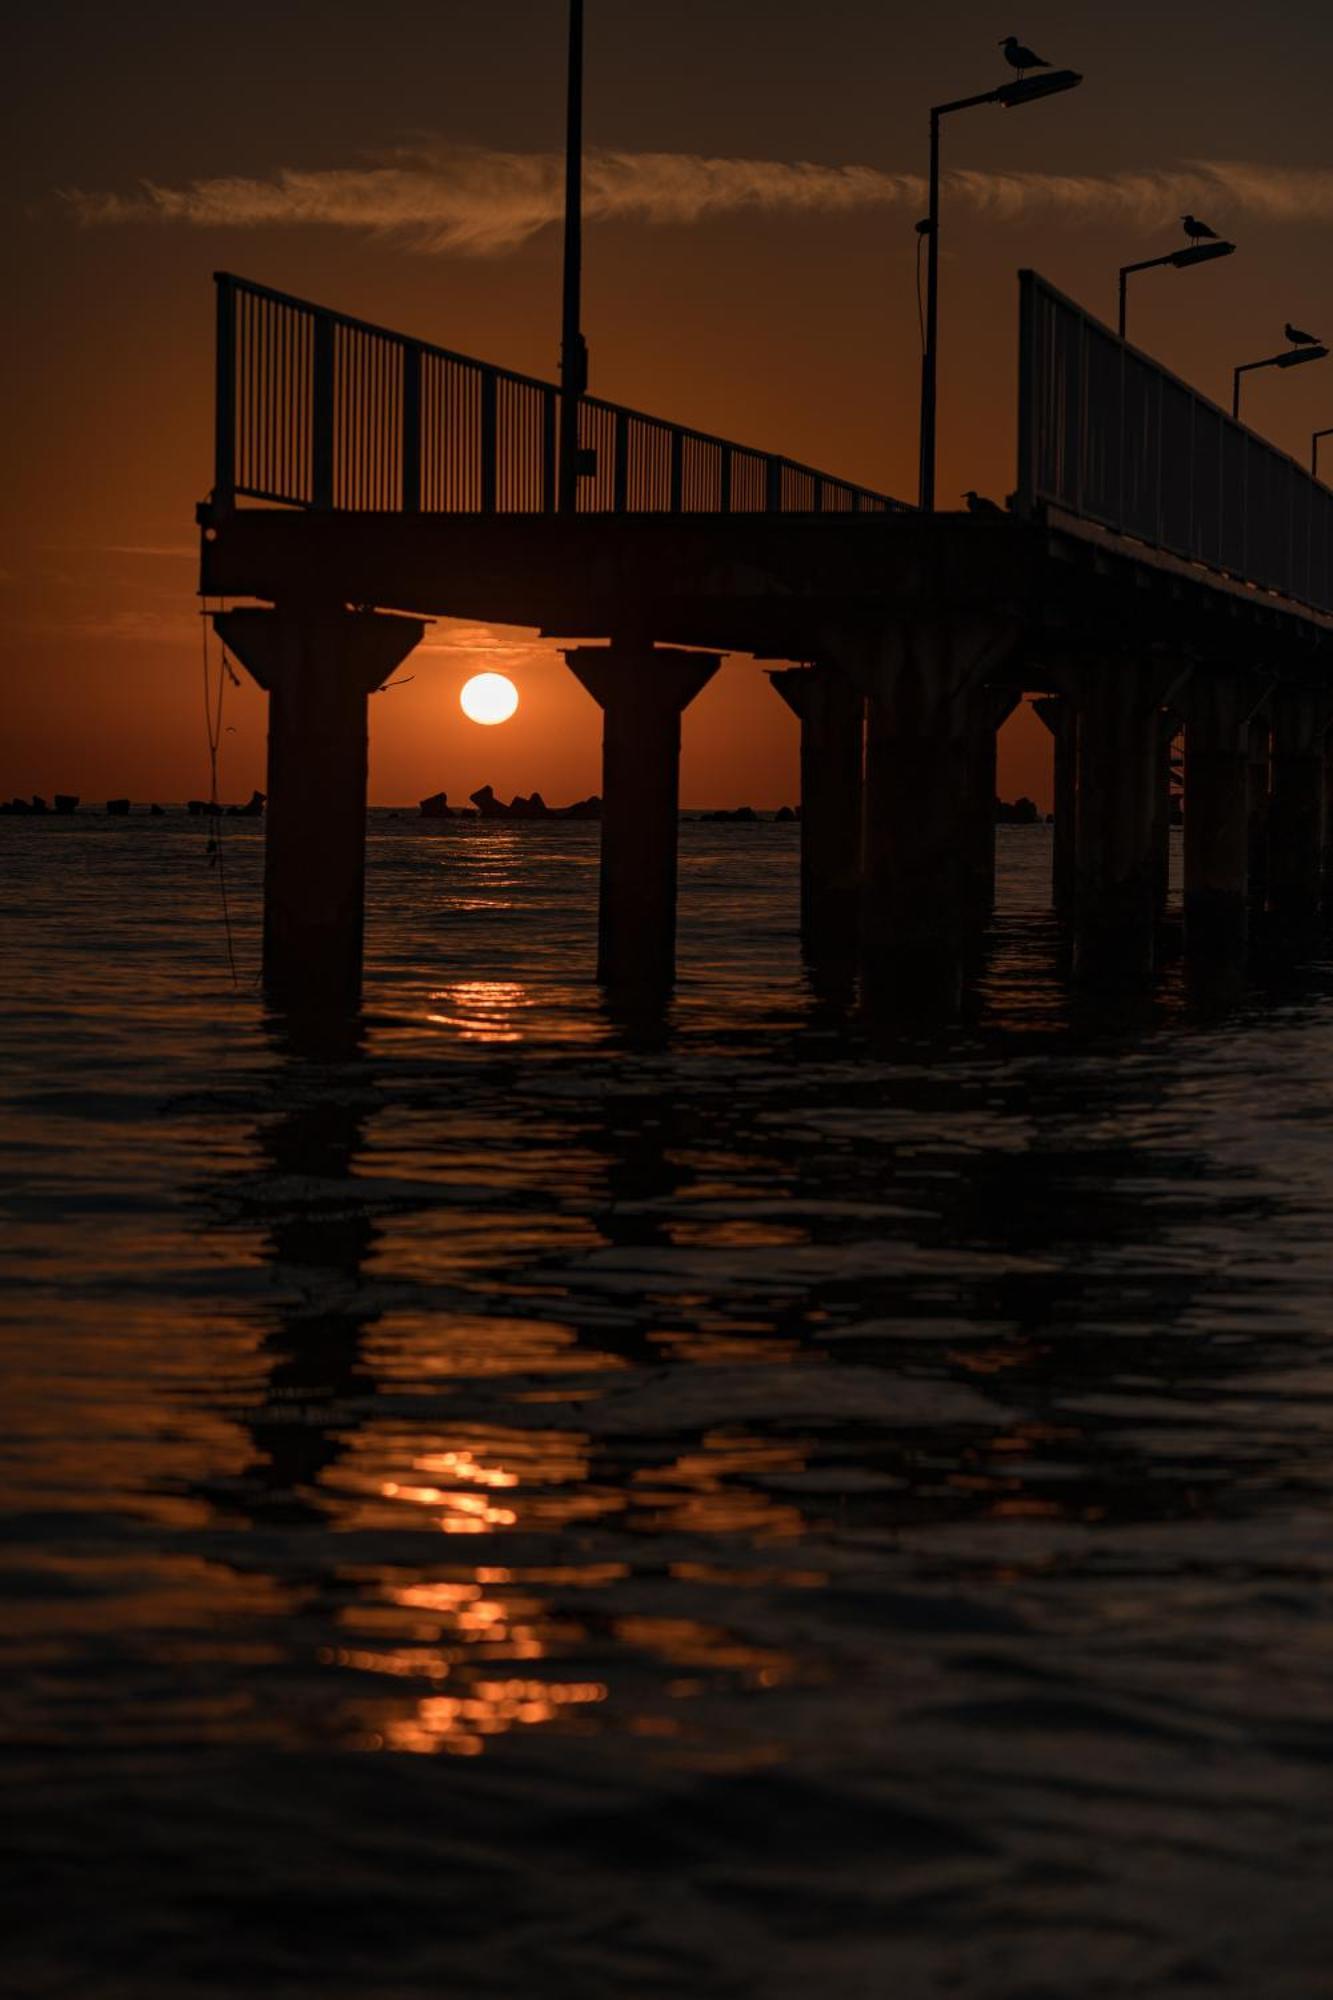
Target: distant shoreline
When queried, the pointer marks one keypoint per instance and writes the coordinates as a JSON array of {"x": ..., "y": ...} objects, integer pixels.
[
  {"x": 461, "y": 816},
  {"x": 178, "y": 809}
]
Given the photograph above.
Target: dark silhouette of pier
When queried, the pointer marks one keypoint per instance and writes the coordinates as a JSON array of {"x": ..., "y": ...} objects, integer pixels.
[{"x": 1161, "y": 568}]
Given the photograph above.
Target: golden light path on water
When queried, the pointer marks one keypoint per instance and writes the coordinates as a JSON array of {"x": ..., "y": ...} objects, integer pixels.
[{"x": 743, "y": 1438}]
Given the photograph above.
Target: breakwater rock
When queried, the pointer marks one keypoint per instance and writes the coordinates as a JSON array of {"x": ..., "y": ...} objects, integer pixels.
[{"x": 533, "y": 807}]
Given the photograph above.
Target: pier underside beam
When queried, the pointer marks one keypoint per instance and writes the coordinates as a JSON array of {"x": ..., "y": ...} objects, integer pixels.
[
  {"x": 1218, "y": 708},
  {"x": 1296, "y": 807},
  {"x": 318, "y": 664},
  {"x": 1120, "y": 786},
  {"x": 931, "y": 693},
  {"x": 642, "y": 692},
  {"x": 832, "y": 717},
  {"x": 1061, "y": 717}
]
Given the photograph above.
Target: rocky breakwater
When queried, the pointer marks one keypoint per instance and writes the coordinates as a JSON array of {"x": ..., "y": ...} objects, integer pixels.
[{"x": 488, "y": 806}]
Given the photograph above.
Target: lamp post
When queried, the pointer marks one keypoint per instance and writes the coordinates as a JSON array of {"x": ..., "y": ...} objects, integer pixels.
[
  {"x": 1024, "y": 90},
  {"x": 1314, "y": 449},
  {"x": 573, "y": 347},
  {"x": 1293, "y": 358},
  {"x": 1179, "y": 260}
]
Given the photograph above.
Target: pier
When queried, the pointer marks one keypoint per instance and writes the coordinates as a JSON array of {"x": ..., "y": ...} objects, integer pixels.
[{"x": 1161, "y": 568}]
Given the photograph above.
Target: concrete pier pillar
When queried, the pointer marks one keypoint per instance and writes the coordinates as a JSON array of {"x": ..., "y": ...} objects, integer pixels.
[
  {"x": 318, "y": 664},
  {"x": 914, "y": 915},
  {"x": 1296, "y": 808},
  {"x": 929, "y": 698},
  {"x": 1328, "y": 827},
  {"x": 1118, "y": 847},
  {"x": 1168, "y": 728},
  {"x": 1218, "y": 708},
  {"x": 832, "y": 718},
  {"x": 988, "y": 709},
  {"x": 1258, "y": 760},
  {"x": 642, "y": 692},
  {"x": 1061, "y": 718}
]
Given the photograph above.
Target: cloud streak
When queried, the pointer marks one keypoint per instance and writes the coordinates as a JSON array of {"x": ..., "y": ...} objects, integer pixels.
[{"x": 446, "y": 200}]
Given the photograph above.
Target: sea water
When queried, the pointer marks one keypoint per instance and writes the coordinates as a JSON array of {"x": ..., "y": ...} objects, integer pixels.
[{"x": 537, "y": 1502}]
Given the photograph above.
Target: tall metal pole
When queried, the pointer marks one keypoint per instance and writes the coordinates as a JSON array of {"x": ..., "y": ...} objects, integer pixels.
[
  {"x": 573, "y": 348},
  {"x": 929, "y": 359},
  {"x": 1024, "y": 91}
]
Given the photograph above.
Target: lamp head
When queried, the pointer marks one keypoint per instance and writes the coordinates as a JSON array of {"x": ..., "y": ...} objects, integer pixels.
[
  {"x": 1026, "y": 89},
  {"x": 1201, "y": 253}
]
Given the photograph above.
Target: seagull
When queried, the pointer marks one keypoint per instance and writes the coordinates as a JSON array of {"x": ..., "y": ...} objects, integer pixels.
[
  {"x": 1299, "y": 339},
  {"x": 977, "y": 503},
  {"x": 1019, "y": 57},
  {"x": 1197, "y": 230}
]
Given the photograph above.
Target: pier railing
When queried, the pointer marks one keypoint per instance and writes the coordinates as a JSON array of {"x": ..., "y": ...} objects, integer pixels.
[
  {"x": 318, "y": 410},
  {"x": 1107, "y": 434}
]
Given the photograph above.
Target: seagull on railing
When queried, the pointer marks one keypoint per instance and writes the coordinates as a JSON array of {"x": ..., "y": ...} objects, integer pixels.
[
  {"x": 1197, "y": 230},
  {"x": 1019, "y": 57},
  {"x": 977, "y": 503},
  {"x": 1299, "y": 339}
]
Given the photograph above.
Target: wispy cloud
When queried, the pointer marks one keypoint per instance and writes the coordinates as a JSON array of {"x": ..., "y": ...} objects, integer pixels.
[
  {"x": 482, "y": 203},
  {"x": 1223, "y": 188},
  {"x": 443, "y": 199},
  {"x": 461, "y": 639}
]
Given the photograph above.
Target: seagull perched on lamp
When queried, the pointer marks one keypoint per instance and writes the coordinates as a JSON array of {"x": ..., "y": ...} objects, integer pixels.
[
  {"x": 1021, "y": 58},
  {"x": 1299, "y": 339},
  {"x": 1197, "y": 231}
]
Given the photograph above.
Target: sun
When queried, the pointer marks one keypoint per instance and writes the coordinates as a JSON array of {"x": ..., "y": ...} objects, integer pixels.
[{"x": 489, "y": 698}]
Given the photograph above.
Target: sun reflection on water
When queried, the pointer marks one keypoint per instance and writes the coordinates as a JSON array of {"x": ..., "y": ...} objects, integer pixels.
[
  {"x": 503, "y": 1479},
  {"x": 445, "y": 1630},
  {"x": 460, "y": 1724},
  {"x": 449, "y": 1661},
  {"x": 481, "y": 1010}
]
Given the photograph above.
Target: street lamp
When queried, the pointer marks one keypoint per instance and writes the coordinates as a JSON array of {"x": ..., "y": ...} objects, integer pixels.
[
  {"x": 573, "y": 347},
  {"x": 1293, "y": 358},
  {"x": 1314, "y": 449},
  {"x": 1179, "y": 260},
  {"x": 1024, "y": 90}
]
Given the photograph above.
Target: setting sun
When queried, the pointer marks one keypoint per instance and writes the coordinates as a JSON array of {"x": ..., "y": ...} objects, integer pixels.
[{"x": 489, "y": 698}]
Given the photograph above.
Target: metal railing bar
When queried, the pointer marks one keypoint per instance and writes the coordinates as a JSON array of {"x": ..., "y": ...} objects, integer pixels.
[
  {"x": 1215, "y": 493},
  {"x": 729, "y": 444},
  {"x": 267, "y": 493},
  {"x": 373, "y": 437},
  {"x": 354, "y": 325},
  {"x": 1071, "y": 305}
]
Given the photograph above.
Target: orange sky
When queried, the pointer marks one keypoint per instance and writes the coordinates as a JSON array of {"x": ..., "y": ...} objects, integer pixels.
[{"x": 792, "y": 327}]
